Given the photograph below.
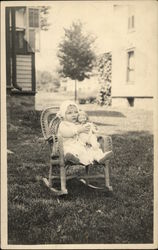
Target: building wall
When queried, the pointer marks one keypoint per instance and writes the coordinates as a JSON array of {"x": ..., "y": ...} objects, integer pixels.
[
  {"x": 143, "y": 39},
  {"x": 25, "y": 75}
]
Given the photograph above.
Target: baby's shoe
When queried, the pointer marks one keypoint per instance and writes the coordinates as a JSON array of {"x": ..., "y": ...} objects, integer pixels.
[
  {"x": 64, "y": 191},
  {"x": 106, "y": 156},
  {"x": 71, "y": 158}
]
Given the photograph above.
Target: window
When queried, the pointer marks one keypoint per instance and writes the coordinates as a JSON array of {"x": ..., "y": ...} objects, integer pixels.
[
  {"x": 130, "y": 66},
  {"x": 131, "y": 17},
  {"x": 33, "y": 18},
  {"x": 20, "y": 41},
  {"x": 33, "y": 30},
  {"x": 131, "y": 22}
]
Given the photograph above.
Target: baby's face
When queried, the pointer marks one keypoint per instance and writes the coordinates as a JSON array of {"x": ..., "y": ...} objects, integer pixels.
[
  {"x": 71, "y": 114},
  {"x": 82, "y": 118}
]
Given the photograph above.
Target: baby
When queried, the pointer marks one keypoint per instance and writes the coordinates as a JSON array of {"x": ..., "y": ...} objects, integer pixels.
[
  {"x": 72, "y": 134},
  {"x": 70, "y": 131},
  {"x": 89, "y": 140}
]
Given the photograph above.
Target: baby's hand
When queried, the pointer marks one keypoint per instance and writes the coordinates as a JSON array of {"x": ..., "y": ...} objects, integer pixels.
[
  {"x": 95, "y": 128},
  {"x": 87, "y": 128},
  {"x": 84, "y": 129}
]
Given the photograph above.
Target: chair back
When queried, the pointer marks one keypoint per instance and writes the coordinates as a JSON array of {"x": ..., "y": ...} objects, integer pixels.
[
  {"x": 49, "y": 122},
  {"x": 106, "y": 143}
]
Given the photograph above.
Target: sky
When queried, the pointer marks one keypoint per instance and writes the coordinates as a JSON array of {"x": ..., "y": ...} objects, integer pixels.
[{"x": 97, "y": 19}]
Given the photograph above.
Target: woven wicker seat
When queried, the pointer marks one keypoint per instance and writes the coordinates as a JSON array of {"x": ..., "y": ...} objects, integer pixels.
[{"x": 85, "y": 174}]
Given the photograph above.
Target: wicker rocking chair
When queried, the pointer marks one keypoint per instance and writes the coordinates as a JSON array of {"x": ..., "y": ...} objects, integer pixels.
[{"x": 49, "y": 127}]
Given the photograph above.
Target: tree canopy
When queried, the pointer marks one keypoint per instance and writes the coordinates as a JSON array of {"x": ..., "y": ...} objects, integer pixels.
[
  {"x": 44, "y": 12},
  {"x": 76, "y": 55}
]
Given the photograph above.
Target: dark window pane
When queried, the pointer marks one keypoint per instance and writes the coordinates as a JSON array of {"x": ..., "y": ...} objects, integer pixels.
[
  {"x": 36, "y": 18},
  {"x": 21, "y": 40},
  {"x": 132, "y": 21},
  {"x": 31, "y": 17},
  {"x": 130, "y": 66},
  {"x": 131, "y": 59}
]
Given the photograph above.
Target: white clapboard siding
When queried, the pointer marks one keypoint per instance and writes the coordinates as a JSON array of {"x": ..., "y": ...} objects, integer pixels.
[
  {"x": 23, "y": 80},
  {"x": 24, "y": 58},
  {"x": 24, "y": 71},
  {"x": 23, "y": 66},
  {"x": 24, "y": 77}
]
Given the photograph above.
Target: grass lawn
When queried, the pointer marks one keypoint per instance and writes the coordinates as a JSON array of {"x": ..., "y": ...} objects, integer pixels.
[{"x": 35, "y": 216}]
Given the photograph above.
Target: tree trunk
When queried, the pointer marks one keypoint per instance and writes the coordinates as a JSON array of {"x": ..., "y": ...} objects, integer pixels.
[{"x": 75, "y": 90}]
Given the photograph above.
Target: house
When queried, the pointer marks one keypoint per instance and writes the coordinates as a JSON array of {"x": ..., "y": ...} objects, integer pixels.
[
  {"x": 134, "y": 54},
  {"x": 21, "y": 42}
]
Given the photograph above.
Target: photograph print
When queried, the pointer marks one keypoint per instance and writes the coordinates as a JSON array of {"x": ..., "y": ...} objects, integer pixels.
[{"x": 79, "y": 130}]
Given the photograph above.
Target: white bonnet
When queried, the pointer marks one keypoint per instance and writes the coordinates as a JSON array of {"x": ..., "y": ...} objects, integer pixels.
[{"x": 64, "y": 107}]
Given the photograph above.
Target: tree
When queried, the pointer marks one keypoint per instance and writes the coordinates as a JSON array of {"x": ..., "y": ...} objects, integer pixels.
[
  {"x": 43, "y": 77},
  {"x": 56, "y": 82},
  {"x": 76, "y": 55},
  {"x": 47, "y": 80},
  {"x": 44, "y": 12}
]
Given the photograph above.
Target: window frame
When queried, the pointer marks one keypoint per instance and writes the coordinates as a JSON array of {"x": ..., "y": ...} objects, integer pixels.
[
  {"x": 34, "y": 29},
  {"x": 128, "y": 68},
  {"x": 131, "y": 23},
  {"x": 33, "y": 26}
]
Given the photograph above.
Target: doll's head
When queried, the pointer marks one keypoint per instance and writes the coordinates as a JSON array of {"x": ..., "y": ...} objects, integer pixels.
[
  {"x": 82, "y": 117},
  {"x": 68, "y": 111}
]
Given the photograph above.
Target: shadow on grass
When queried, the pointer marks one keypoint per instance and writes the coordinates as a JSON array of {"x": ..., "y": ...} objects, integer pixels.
[
  {"x": 105, "y": 113},
  {"x": 103, "y": 124}
]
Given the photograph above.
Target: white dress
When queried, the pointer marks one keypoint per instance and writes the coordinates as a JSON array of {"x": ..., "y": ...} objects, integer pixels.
[
  {"x": 71, "y": 144},
  {"x": 94, "y": 150}
]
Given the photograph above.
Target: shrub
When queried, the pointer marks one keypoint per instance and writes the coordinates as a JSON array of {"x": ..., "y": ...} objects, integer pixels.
[
  {"x": 82, "y": 100},
  {"x": 92, "y": 99}
]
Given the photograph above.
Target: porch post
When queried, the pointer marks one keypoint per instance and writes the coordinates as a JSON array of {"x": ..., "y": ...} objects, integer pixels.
[
  {"x": 8, "y": 56},
  {"x": 33, "y": 73},
  {"x": 13, "y": 18},
  {"x": 13, "y": 46}
]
